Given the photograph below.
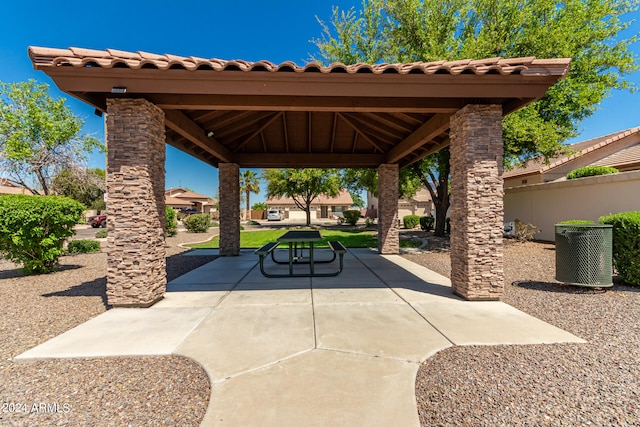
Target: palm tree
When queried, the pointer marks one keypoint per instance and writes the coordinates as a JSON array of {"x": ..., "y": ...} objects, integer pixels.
[{"x": 249, "y": 183}]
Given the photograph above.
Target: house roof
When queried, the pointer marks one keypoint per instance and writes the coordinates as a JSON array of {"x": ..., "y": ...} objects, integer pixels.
[
  {"x": 342, "y": 199},
  {"x": 625, "y": 157},
  {"x": 578, "y": 149},
  {"x": 190, "y": 195},
  {"x": 174, "y": 201},
  {"x": 261, "y": 114}
]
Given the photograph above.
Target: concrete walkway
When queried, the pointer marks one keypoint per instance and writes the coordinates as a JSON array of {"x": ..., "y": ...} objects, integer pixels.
[{"x": 339, "y": 351}]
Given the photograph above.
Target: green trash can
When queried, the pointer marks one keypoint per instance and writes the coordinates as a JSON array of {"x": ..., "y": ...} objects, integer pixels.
[{"x": 584, "y": 254}]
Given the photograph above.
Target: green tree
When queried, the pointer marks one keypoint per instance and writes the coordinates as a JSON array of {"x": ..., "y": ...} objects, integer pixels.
[
  {"x": 249, "y": 183},
  {"x": 302, "y": 185},
  {"x": 84, "y": 185},
  {"x": 261, "y": 206},
  {"x": 39, "y": 135},
  {"x": 431, "y": 30},
  {"x": 358, "y": 201}
]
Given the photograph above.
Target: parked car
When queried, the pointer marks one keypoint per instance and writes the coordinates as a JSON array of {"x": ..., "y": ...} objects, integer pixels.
[
  {"x": 98, "y": 221},
  {"x": 275, "y": 215},
  {"x": 188, "y": 211}
]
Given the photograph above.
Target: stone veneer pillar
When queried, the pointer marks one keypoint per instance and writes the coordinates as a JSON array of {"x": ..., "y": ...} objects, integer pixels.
[
  {"x": 388, "y": 209},
  {"x": 136, "y": 263},
  {"x": 229, "y": 176},
  {"x": 477, "y": 202}
]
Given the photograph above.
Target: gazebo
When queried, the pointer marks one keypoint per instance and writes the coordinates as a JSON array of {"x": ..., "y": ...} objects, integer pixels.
[{"x": 233, "y": 114}]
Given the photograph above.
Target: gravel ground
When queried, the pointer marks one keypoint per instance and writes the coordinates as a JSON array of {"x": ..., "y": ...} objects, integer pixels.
[
  {"x": 597, "y": 383},
  {"x": 132, "y": 391}
]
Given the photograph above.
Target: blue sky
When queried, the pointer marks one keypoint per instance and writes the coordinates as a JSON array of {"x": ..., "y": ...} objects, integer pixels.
[{"x": 275, "y": 30}]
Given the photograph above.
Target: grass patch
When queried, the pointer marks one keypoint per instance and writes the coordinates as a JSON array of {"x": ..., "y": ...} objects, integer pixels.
[
  {"x": 405, "y": 243},
  {"x": 255, "y": 239}
]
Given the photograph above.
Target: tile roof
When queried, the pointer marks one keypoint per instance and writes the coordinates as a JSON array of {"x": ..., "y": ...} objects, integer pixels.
[
  {"x": 578, "y": 149},
  {"x": 112, "y": 58},
  {"x": 628, "y": 156},
  {"x": 342, "y": 199}
]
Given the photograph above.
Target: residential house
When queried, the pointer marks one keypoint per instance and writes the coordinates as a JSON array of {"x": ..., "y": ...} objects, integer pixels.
[
  {"x": 420, "y": 204},
  {"x": 620, "y": 150},
  {"x": 539, "y": 193},
  {"x": 9, "y": 187},
  {"x": 179, "y": 198},
  {"x": 322, "y": 207}
]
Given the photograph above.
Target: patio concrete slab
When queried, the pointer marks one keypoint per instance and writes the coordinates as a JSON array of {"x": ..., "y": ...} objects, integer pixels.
[
  {"x": 490, "y": 322},
  {"x": 319, "y": 388},
  {"x": 339, "y": 351},
  {"x": 247, "y": 293},
  {"x": 123, "y": 332},
  {"x": 385, "y": 330},
  {"x": 191, "y": 299},
  {"x": 363, "y": 292},
  {"x": 234, "y": 340}
]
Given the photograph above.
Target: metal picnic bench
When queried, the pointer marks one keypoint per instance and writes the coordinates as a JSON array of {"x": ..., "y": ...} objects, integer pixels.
[{"x": 293, "y": 238}]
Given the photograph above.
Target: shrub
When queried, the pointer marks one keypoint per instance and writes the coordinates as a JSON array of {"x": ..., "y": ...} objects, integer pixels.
[
  {"x": 411, "y": 221},
  {"x": 351, "y": 217},
  {"x": 591, "y": 171},
  {"x": 171, "y": 224},
  {"x": 83, "y": 246},
  {"x": 426, "y": 222},
  {"x": 102, "y": 234},
  {"x": 525, "y": 232},
  {"x": 197, "y": 223},
  {"x": 34, "y": 228},
  {"x": 626, "y": 245},
  {"x": 576, "y": 222},
  {"x": 368, "y": 221}
]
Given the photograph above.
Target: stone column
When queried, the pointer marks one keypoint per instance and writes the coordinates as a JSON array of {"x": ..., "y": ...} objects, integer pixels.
[
  {"x": 136, "y": 263},
  {"x": 476, "y": 202},
  {"x": 229, "y": 193},
  {"x": 388, "y": 209}
]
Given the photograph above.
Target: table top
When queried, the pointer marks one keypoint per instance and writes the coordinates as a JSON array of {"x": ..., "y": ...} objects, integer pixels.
[{"x": 300, "y": 236}]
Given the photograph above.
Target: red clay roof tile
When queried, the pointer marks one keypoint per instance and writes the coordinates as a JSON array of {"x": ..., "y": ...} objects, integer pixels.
[{"x": 80, "y": 57}]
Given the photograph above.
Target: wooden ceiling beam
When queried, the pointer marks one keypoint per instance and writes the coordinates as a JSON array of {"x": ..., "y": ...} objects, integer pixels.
[
  {"x": 429, "y": 130},
  {"x": 374, "y": 126},
  {"x": 302, "y": 103},
  {"x": 313, "y": 160},
  {"x": 260, "y": 129},
  {"x": 234, "y": 129},
  {"x": 187, "y": 128},
  {"x": 432, "y": 149},
  {"x": 354, "y": 126}
]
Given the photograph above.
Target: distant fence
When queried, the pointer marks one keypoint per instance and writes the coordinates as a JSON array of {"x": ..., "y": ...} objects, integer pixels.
[{"x": 544, "y": 205}]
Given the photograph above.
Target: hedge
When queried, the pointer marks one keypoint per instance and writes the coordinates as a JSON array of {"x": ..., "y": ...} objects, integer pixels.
[
  {"x": 626, "y": 245},
  {"x": 83, "y": 246},
  {"x": 197, "y": 223},
  {"x": 351, "y": 217},
  {"x": 34, "y": 228},
  {"x": 591, "y": 171},
  {"x": 411, "y": 221},
  {"x": 171, "y": 222}
]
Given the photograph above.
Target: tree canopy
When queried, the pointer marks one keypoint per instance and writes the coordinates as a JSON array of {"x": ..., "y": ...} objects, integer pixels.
[
  {"x": 39, "y": 135},
  {"x": 302, "y": 185},
  {"x": 249, "y": 183},
  {"x": 431, "y": 30}
]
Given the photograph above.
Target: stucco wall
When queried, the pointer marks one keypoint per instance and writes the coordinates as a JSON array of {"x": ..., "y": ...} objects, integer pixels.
[{"x": 544, "y": 205}]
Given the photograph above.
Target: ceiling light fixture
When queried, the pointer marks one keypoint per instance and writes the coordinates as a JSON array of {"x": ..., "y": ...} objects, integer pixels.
[
  {"x": 118, "y": 89},
  {"x": 210, "y": 134}
]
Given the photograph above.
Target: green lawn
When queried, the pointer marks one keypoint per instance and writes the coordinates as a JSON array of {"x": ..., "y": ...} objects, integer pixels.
[{"x": 255, "y": 239}]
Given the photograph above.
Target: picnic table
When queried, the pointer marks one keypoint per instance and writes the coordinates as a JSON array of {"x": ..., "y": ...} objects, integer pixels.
[{"x": 296, "y": 240}]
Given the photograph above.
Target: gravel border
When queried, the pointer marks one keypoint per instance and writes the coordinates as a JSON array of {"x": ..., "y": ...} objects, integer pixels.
[
  {"x": 150, "y": 391},
  {"x": 597, "y": 383}
]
